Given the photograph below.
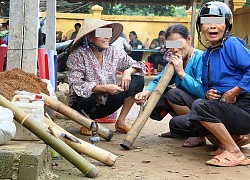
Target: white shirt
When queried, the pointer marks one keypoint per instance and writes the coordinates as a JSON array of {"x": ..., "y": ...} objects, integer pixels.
[{"x": 122, "y": 43}]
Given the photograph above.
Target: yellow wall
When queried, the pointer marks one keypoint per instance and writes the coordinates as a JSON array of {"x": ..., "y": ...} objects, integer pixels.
[
  {"x": 145, "y": 27},
  {"x": 148, "y": 27},
  {"x": 241, "y": 23}
]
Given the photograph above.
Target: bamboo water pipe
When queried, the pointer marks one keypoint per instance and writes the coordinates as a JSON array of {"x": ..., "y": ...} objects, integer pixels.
[
  {"x": 67, "y": 152},
  {"x": 76, "y": 116},
  {"x": 81, "y": 146},
  {"x": 148, "y": 108}
]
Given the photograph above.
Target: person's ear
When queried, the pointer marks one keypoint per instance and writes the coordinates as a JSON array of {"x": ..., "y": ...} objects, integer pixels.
[{"x": 189, "y": 39}]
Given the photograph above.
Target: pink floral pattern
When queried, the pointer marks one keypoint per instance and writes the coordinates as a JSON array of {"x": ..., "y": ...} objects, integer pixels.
[{"x": 85, "y": 72}]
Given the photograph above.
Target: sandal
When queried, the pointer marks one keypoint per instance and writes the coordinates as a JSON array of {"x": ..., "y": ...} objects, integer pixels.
[
  {"x": 85, "y": 131},
  {"x": 218, "y": 151},
  {"x": 227, "y": 159},
  {"x": 242, "y": 141},
  {"x": 165, "y": 135},
  {"x": 194, "y": 142},
  {"x": 123, "y": 129}
]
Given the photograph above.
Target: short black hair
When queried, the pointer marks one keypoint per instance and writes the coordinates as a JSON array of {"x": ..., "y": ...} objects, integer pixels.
[
  {"x": 179, "y": 29},
  {"x": 4, "y": 25},
  {"x": 162, "y": 33},
  {"x": 134, "y": 33},
  {"x": 78, "y": 24}
]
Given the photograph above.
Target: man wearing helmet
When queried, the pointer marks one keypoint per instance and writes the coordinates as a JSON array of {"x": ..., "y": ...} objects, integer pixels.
[{"x": 225, "y": 113}]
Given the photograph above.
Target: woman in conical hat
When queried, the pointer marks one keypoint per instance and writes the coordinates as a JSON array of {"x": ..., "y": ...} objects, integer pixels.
[{"x": 93, "y": 65}]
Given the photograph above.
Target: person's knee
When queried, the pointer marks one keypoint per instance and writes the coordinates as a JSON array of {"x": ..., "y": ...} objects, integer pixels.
[
  {"x": 170, "y": 95},
  {"x": 176, "y": 129},
  {"x": 180, "y": 124},
  {"x": 199, "y": 105},
  {"x": 173, "y": 124},
  {"x": 150, "y": 59},
  {"x": 137, "y": 84}
]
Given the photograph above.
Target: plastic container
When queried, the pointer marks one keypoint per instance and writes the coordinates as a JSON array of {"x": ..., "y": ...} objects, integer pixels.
[
  {"x": 108, "y": 119},
  {"x": 35, "y": 108},
  {"x": 7, "y": 126}
]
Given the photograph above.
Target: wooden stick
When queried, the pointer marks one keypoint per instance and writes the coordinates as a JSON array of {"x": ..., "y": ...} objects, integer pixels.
[
  {"x": 148, "y": 108},
  {"x": 76, "y": 116},
  {"x": 81, "y": 146},
  {"x": 67, "y": 152}
]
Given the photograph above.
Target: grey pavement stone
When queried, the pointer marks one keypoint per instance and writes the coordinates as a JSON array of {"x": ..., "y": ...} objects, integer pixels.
[{"x": 23, "y": 159}]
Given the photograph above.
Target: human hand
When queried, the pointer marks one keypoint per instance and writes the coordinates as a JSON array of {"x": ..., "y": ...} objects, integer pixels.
[
  {"x": 126, "y": 79},
  {"x": 212, "y": 94},
  {"x": 177, "y": 61},
  {"x": 141, "y": 97},
  {"x": 153, "y": 46},
  {"x": 113, "y": 89},
  {"x": 163, "y": 49},
  {"x": 230, "y": 96}
]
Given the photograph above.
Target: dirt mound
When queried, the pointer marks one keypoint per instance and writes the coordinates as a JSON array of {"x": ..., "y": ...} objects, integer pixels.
[{"x": 19, "y": 80}]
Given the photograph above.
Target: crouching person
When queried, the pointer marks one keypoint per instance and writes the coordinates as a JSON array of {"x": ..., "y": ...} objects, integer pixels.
[{"x": 93, "y": 64}]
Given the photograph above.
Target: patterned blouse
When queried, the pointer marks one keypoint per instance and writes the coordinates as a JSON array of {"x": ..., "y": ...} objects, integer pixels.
[{"x": 85, "y": 72}]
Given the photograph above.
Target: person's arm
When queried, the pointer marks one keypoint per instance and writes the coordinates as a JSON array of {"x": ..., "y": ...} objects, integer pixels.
[
  {"x": 151, "y": 86},
  {"x": 107, "y": 88},
  {"x": 153, "y": 44},
  {"x": 73, "y": 35},
  {"x": 126, "y": 45},
  {"x": 126, "y": 62},
  {"x": 76, "y": 76},
  {"x": 192, "y": 78},
  {"x": 240, "y": 56}
]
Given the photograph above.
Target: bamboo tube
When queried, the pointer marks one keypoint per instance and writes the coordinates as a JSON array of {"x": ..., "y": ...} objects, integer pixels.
[
  {"x": 76, "y": 116},
  {"x": 149, "y": 107},
  {"x": 81, "y": 146},
  {"x": 67, "y": 152}
]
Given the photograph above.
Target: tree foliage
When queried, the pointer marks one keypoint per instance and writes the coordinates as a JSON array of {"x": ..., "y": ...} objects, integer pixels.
[{"x": 122, "y": 9}]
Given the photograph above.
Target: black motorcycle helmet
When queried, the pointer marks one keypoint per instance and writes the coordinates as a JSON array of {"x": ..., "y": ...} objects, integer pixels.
[{"x": 218, "y": 9}]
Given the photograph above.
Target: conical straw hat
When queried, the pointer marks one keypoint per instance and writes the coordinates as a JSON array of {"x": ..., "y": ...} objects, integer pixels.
[{"x": 90, "y": 25}]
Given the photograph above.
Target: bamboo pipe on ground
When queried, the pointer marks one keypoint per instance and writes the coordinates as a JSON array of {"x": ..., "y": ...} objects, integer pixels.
[
  {"x": 81, "y": 146},
  {"x": 76, "y": 116},
  {"x": 67, "y": 152},
  {"x": 149, "y": 107}
]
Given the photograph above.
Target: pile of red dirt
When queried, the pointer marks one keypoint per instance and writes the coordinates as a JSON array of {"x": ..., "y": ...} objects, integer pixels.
[{"x": 19, "y": 80}]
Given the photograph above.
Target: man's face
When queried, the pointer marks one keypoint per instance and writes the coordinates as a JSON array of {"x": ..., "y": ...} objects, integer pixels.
[{"x": 161, "y": 37}]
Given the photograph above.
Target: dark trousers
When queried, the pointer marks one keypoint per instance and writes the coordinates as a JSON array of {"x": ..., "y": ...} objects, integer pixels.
[
  {"x": 114, "y": 102},
  {"x": 176, "y": 96},
  {"x": 137, "y": 56},
  {"x": 235, "y": 117},
  {"x": 157, "y": 59}
]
